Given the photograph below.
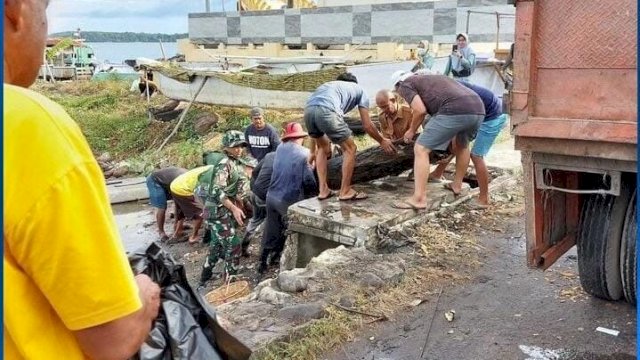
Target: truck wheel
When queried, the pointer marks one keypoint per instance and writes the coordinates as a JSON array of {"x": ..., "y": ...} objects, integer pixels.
[
  {"x": 628, "y": 252},
  {"x": 599, "y": 238}
]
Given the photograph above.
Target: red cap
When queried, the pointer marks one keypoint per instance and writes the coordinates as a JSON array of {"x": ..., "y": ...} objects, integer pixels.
[{"x": 293, "y": 130}]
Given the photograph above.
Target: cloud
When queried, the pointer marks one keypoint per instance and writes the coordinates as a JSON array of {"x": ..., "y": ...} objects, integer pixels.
[{"x": 152, "y": 16}]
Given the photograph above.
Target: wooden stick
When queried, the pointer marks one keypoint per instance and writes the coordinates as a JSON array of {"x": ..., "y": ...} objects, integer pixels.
[
  {"x": 184, "y": 113},
  {"x": 379, "y": 317}
]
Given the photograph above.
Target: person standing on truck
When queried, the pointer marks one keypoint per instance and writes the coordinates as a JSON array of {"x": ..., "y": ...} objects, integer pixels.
[
  {"x": 462, "y": 60},
  {"x": 324, "y": 118},
  {"x": 69, "y": 291},
  {"x": 456, "y": 112},
  {"x": 492, "y": 124}
]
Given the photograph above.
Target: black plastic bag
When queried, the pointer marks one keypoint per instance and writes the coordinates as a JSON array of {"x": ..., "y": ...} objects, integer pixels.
[{"x": 186, "y": 327}]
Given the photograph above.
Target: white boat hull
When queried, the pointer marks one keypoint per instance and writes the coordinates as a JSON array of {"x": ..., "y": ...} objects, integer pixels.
[{"x": 372, "y": 77}]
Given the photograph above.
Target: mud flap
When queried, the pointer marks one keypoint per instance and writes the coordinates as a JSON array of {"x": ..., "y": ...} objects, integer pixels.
[{"x": 186, "y": 327}]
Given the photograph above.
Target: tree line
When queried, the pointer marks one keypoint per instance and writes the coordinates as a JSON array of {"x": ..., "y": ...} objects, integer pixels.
[{"x": 101, "y": 36}]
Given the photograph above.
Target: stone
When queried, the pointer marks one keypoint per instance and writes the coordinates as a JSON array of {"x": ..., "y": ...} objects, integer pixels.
[
  {"x": 293, "y": 281},
  {"x": 273, "y": 297},
  {"x": 121, "y": 169},
  {"x": 347, "y": 301},
  {"x": 204, "y": 123},
  {"x": 389, "y": 272},
  {"x": 303, "y": 312},
  {"x": 371, "y": 280},
  {"x": 104, "y": 157}
]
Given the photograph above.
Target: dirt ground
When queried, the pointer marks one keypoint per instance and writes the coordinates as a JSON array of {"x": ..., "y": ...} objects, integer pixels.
[{"x": 506, "y": 311}]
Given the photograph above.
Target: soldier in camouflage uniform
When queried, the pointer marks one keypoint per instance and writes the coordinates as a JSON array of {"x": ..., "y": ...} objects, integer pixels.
[{"x": 223, "y": 190}]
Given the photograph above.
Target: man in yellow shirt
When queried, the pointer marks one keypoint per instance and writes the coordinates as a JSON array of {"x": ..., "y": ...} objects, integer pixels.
[
  {"x": 69, "y": 292},
  {"x": 183, "y": 192}
]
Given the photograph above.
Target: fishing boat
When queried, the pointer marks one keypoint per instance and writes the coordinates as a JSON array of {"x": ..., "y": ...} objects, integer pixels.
[
  {"x": 67, "y": 58},
  {"x": 283, "y": 84}
]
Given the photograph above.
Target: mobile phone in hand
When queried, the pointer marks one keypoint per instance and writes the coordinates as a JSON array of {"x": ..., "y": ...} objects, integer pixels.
[{"x": 454, "y": 47}]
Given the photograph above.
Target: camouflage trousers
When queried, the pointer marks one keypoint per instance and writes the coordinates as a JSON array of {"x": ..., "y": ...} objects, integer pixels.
[{"x": 224, "y": 243}]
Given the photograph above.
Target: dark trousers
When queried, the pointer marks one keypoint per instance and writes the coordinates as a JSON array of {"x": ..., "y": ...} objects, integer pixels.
[
  {"x": 259, "y": 214},
  {"x": 274, "y": 236}
]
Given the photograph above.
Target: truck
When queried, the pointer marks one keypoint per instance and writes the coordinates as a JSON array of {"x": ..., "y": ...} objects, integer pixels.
[{"x": 573, "y": 110}]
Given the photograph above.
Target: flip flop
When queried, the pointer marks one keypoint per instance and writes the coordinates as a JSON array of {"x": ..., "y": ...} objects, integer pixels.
[
  {"x": 448, "y": 187},
  {"x": 164, "y": 238},
  {"x": 331, "y": 194},
  {"x": 405, "y": 205},
  {"x": 355, "y": 197}
]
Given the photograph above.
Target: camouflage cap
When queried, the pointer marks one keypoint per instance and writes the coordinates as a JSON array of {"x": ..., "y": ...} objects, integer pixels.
[{"x": 233, "y": 138}]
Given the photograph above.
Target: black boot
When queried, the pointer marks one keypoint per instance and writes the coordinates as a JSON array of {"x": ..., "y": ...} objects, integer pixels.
[
  {"x": 262, "y": 268},
  {"x": 207, "y": 273},
  {"x": 275, "y": 259},
  {"x": 245, "y": 247}
]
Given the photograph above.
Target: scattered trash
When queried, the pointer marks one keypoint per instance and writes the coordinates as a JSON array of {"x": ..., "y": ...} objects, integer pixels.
[
  {"x": 450, "y": 332},
  {"x": 580, "y": 329},
  {"x": 517, "y": 315},
  {"x": 450, "y": 315},
  {"x": 607, "y": 331},
  {"x": 416, "y": 302},
  {"x": 372, "y": 338}
]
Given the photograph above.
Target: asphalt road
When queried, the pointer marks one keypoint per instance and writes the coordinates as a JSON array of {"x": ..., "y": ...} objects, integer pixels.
[{"x": 506, "y": 312}]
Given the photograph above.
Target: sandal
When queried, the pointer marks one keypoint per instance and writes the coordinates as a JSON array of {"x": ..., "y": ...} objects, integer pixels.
[
  {"x": 355, "y": 197},
  {"x": 331, "y": 194},
  {"x": 405, "y": 205},
  {"x": 475, "y": 205}
]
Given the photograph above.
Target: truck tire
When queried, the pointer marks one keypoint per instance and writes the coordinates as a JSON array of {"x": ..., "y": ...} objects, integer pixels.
[
  {"x": 628, "y": 252},
  {"x": 599, "y": 237}
]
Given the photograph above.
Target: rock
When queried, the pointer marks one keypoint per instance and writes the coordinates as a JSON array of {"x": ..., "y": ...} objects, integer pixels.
[
  {"x": 104, "y": 157},
  {"x": 273, "y": 297},
  {"x": 121, "y": 169},
  {"x": 371, "y": 280},
  {"x": 303, "y": 312},
  {"x": 389, "y": 272},
  {"x": 292, "y": 281},
  {"x": 204, "y": 123},
  {"x": 347, "y": 301}
]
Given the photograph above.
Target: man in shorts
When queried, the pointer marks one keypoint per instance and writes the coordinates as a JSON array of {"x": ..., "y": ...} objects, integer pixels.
[
  {"x": 158, "y": 184},
  {"x": 456, "y": 112},
  {"x": 324, "y": 119},
  {"x": 493, "y": 123}
]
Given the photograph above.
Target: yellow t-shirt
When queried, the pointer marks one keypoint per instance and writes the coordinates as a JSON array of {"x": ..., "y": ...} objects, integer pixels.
[
  {"x": 185, "y": 184},
  {"x": 65, "y": 267}
]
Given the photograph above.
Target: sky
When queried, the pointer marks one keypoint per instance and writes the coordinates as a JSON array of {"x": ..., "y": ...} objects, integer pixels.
[{"x": 150, "y": 16}]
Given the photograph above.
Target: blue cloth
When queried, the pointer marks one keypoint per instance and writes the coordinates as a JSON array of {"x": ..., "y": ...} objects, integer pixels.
[
  {"x": 339, "y": 96},
  {"x": 492, "y": 103},
  {"x": 261, "y": 142},
  {"x": 157, "y": 194},
  {"x": 292, "y": 179},
  {"x": 487, "y": 134}
]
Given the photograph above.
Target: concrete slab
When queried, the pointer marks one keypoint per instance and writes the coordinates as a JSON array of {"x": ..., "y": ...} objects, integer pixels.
[
  {"x": 126, "y": 190},
  {"x": 319, "y": 225}
]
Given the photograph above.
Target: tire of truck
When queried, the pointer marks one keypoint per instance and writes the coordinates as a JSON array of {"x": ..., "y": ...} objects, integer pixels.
[
  {"x": 599, "y": 238},
  {"x": 628, "y": 252}
]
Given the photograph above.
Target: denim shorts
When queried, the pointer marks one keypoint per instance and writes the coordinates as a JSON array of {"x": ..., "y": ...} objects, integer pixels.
[
  {"x": 487, "y": 134},
  {"x": 158, "y": 196},
  {"x": 440, "y": 129},
  {"x": 320, "y": 121}
]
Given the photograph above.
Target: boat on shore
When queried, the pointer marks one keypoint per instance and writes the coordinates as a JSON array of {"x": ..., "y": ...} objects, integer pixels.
[
  {"x": 257, "y": 86},
  {"x": 287, "y": 83}
]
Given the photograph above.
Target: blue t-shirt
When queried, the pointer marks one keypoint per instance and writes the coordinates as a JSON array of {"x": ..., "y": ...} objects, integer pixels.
[
  {"x": 292, "y": 178},
  {"x": 492, "y": 103},
  {"x": 261, "y": 142},
  {"x": 339, "y": 96}
]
